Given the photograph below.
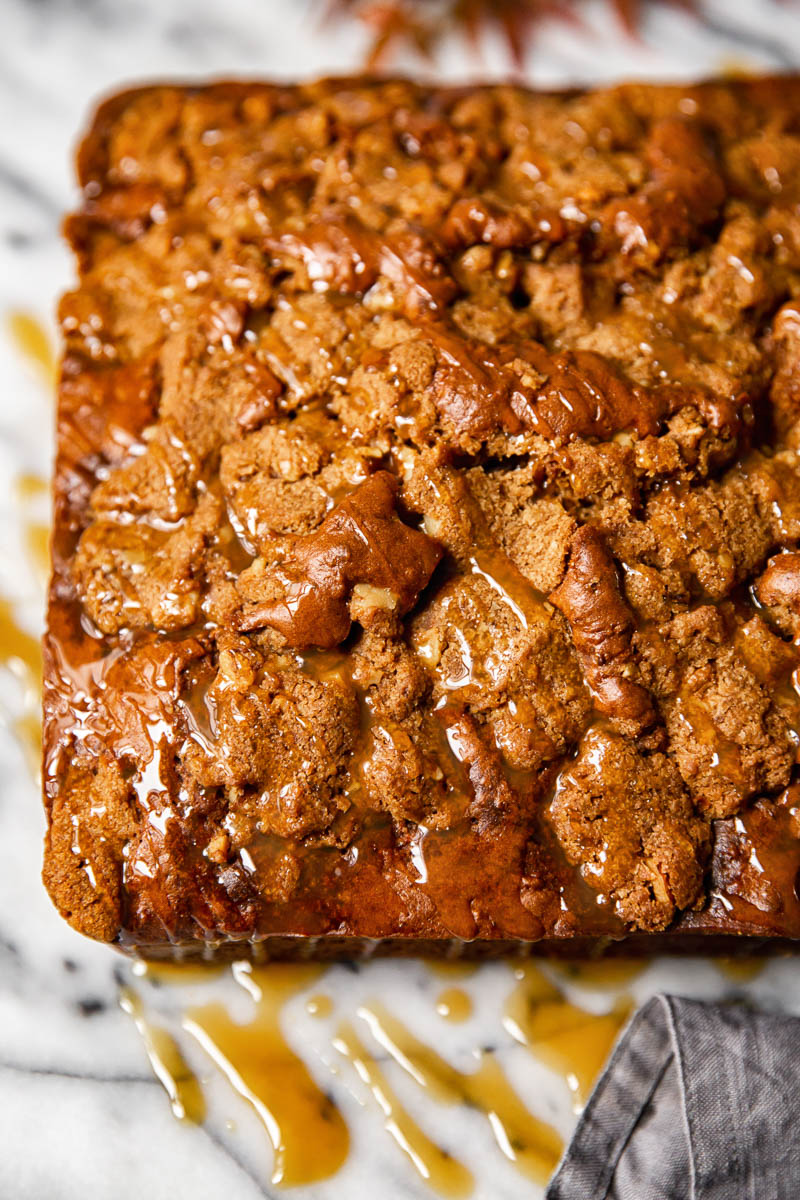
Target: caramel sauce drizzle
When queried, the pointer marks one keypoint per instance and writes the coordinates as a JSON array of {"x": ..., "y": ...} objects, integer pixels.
[
  {"x": 169, "y": 1066},
  {"x": 20, "y": 651},
  {"x": 740, "y": 970},
  {"x": 33, "y": 343},
  {"x": 320, "y": 1005},
  {"x": 454, "y": 1004},
  {"x": 166, "y": 974},
  {"x": 37, "y": 545},
  {"x": 726, "y": 755},
  {"x": 445, "y": 1174},
  {"x": 21, "y": 654},
  {"x": 604, "y": 973},
  {"x": 307, "y": 1131},
  {"x": 30, "y": 487},
  {"x": 569, "y": 1040},
  {"x": 452, "y": 970},
  {"x": 532, "y": 1145},
  {"x": 308, "y": 1134}
]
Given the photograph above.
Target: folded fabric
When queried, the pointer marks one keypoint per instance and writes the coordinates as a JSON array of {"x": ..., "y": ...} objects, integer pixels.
[{"x": 698, "y": 1102}]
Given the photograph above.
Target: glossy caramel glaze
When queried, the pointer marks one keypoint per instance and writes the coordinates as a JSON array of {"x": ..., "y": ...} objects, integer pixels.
[
  {"x": 33, "y": 343},
  {"x": 426, "y": 503}
]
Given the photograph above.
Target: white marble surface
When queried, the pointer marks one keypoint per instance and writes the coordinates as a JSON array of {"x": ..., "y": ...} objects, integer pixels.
[{"x": 80, "y": 1112}]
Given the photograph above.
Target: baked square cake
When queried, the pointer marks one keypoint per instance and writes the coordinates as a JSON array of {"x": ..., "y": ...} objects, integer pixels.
[{"x": 427, "y": 499}]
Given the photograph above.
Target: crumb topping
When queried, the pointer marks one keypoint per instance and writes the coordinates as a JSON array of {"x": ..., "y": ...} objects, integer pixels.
[{"x": 427, "y": 510}]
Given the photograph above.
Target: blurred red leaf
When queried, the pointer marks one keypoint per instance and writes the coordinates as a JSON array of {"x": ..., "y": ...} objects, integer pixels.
[{"x": 418, "y": 25}]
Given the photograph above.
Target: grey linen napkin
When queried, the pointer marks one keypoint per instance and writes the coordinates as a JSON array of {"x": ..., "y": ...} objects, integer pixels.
[{"x": 698, "y": 1102}]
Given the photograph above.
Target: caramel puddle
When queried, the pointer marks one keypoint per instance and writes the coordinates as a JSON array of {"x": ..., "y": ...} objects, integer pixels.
[
  {"x": 169, "y": 1066},
  {"x": 531, "y": 1144},
  {"x": 445, "y": 1174},
  {"x": 454, "y": 1004},
  {"x": 569, "y": 1040},
  {"x": 307, "y": 1131},
  {"x": 33, "y": 343}
]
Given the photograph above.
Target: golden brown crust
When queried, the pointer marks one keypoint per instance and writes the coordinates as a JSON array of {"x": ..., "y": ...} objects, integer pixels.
[
  {"x": 92, "y": 820},
  {"x": 426, "y": 515},
  {"x": 625, "y": 818}
]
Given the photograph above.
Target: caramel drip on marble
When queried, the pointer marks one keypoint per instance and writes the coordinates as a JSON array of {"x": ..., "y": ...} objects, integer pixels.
[
  {"x": 27, "y": 729},
  {"x": 319, "y": 1005},
  {"x": 532, "y": 1145},
  {"x": 36, "y": 536},
  {"x": 20, "y": 651},
  {"x": 571, "y": 1041},
  {"x": 21, "y": 654},
  {"x": 33, "y": 343},
  {"x": 169, "y": 1066},
  {"x": 445, "y": 1174},
  {"x": 451, "y": 970},
  {"x": 736, "y": 66},
  {"x": 307, "y": 1131},
  {"x": 30, "y": 487},
  {"x": 604, "y": 973},
  {"x": 454, "y": 1004},
  {"x": 165, "y": 974},
  {"x": 740, "y": 970}
]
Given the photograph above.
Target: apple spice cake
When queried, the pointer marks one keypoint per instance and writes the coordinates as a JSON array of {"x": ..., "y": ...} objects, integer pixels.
[{"x": 427, "y": 502}]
